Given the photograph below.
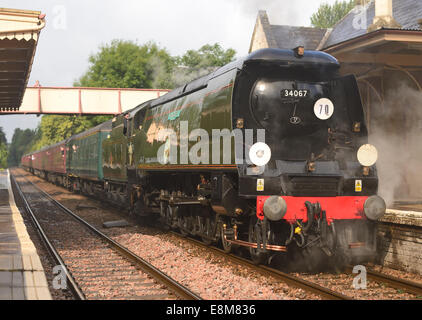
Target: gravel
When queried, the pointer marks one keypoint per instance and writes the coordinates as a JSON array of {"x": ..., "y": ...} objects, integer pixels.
[
  {"x": 344, "y": 283},
  {"x": 209, "y": 275},
  {"x": 46, "y": 259},
  {"x": 100, "y": 272}
]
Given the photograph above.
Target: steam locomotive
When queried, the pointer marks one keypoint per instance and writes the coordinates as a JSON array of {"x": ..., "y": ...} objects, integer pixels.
[{"x": 269, "y": 153}]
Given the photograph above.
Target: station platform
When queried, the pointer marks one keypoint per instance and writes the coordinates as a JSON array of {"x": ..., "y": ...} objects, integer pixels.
[
  {"x": 22, "y": 276},
  {"x": 405, "y": 212},
  {"x": 400, "y": 236},
  {"x": 411, "y": 216}
]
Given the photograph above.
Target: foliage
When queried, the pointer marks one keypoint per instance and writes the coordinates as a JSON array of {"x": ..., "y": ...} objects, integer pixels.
[
  {"x": 328, "y": 15},
  {"x": 21, "y": 143},
  {"x": 3, "y": 149},
  {"x": 206, "y": 56},
  {"x": 53, "y": 129},
  {"x": 122, "y": 64},
  {"x": 197, "y": 63},
  {"x": 3, "y": 139},
  {"x": 125, "y": 64}
]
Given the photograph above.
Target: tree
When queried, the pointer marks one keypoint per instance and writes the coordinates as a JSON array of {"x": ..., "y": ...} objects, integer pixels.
[
  {"x": 21, "y": 144},
  {"x": 121, "y": 64},
  {"x": 328, "y": 15},
  {"x": 206, "y": 56},
  {"x": 53, "y": 129},
  {"x": 125, "y": 64},
  {"x": 197, "y": 63},
  {"x": 3, "y": 149}
]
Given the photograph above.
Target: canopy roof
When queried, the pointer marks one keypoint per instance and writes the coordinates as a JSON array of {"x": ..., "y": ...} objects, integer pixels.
[{"x": 19, "y": 33}]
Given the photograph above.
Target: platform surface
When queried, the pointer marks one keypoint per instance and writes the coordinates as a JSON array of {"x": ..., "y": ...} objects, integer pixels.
[{"x": 22, "y": 276}]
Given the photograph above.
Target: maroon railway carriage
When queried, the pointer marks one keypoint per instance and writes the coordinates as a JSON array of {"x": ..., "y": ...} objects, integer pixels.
[
  {"x": 48, "y": 163},
  {"x": 26, "y": 161}
]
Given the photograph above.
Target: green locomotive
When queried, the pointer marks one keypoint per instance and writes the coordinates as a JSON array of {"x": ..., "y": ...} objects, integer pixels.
[{"x": 269, "y": 153}]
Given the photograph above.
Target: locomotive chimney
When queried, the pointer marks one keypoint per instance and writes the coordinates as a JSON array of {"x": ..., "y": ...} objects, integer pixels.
[{"x": 383, "y": 16}]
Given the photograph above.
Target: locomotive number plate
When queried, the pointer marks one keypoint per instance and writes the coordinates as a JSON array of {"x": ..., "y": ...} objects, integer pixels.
[{"x": 292, "y": 93}]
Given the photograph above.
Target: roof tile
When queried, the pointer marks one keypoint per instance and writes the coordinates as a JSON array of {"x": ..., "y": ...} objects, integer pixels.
[
  {"x": 354, "y": 24},
  {"x": 289, "y": 37}
]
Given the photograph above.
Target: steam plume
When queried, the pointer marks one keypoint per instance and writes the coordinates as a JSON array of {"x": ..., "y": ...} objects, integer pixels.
[{"x": 396, "y": 128}]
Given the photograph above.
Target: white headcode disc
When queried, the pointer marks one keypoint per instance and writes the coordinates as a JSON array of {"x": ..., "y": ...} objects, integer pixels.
[
  {"x": 260, "y": 154},
  {"x": 324, "y": 108}
]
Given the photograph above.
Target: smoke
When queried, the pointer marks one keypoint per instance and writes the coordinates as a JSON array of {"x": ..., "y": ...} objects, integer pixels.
[
  {"x": 279, "y": 12},
  {"x": 199, "y": 63},
  {"x": 179, "y": 76},
  {"x": 183, "y": 75},
  {"x": 395, "y": 129},
  {"x": 159, "y": 72}
]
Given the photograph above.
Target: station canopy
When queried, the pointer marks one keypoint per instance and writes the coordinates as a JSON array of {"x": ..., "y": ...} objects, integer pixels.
[{"x": 19, "y": 33}]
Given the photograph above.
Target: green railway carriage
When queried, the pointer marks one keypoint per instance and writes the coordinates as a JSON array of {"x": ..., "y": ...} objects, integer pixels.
[
  {"x": 114, "y": 150},
  {"x": 115, "y": 156},
  {"x": 84, "y": 160}
]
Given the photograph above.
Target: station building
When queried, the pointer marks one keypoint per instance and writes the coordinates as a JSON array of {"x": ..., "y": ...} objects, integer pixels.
[{"x": 380, "y": 42}]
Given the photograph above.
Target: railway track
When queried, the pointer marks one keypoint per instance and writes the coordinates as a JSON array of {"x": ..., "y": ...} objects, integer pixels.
[
  {"x": 309, "y": 286},
  {"x": 401, "y": 284},
  {"x": 282, "y": 276},
  {"x": 312, "y": 286},
  {"x": 103, "y": 269}
]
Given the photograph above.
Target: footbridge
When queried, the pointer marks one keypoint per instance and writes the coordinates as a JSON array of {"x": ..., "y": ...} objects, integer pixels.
[{"x": 82, "y": 101}]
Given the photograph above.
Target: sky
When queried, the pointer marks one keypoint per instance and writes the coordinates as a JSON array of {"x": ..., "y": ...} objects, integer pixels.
[{"x": 75, "y": 29}]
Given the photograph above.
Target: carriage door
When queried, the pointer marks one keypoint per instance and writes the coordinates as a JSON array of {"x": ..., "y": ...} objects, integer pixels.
[{"x": 128, "y": 132}]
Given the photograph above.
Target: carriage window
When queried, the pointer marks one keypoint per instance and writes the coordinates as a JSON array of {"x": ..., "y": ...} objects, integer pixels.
[
  {"x": 139, "y": 119},
  {"x": 130, "y": 127},
  {"x": 114, "y": 122},
  {"x": 125, "y": 123}
]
